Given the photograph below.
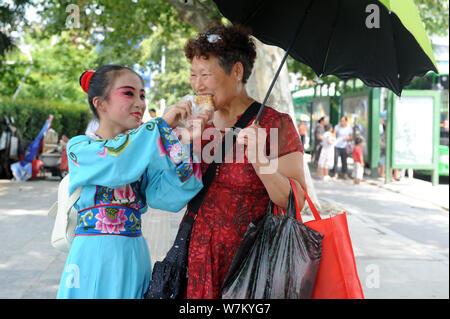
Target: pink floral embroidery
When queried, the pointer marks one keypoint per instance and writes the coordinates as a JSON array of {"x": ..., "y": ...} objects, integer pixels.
[
  {"x": 175, "y": 151},
  {"x": 162, "y": 150},
  {"x": 111, "y": 222},
  {"x": 135, "y": 206},
  {"x": 124, "y": 194}
]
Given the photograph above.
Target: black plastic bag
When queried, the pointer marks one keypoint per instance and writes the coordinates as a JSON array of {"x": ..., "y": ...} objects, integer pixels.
[{"x": 278, "y": 258}]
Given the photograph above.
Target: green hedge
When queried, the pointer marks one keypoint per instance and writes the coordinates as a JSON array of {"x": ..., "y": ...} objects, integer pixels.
[{"x": 30, "y": 116}]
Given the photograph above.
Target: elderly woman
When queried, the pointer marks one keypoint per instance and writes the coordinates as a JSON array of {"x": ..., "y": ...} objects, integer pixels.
[{"x": 222, "y": 60}]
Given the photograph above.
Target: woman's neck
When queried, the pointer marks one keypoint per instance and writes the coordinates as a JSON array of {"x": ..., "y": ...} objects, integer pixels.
[
  {"x": 108, "y": 132},
  {"x": 225, "y": 117}
]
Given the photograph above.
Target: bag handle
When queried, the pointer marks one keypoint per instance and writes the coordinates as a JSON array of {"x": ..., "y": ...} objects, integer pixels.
[
  {"x": 311, "y": 205},
  {"x": 297, "y": 209},
  {"x": 280, "y": 211},
  {"x": 74, "y": 197}
]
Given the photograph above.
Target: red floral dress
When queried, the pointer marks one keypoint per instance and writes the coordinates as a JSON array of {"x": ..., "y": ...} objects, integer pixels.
[{"x": 235, "y": 198}]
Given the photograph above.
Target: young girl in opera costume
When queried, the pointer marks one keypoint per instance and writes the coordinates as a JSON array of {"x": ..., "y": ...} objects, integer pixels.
[{"x": 121, "y": 168}]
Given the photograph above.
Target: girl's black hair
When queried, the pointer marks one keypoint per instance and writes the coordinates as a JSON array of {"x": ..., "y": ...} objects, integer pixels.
[{"x": 101, "y": 82}]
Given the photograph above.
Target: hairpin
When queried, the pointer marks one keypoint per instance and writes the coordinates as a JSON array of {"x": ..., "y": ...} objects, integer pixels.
[{"x": 211, "y": 38}]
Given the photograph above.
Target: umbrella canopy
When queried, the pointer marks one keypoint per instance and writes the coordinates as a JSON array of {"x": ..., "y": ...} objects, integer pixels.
[{"x": 382, "y": 42}]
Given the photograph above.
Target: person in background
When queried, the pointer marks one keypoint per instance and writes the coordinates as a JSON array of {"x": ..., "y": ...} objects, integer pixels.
[
  {"x": 302, "y": 131},
  {"x": 318, "y": 135},
  {"x": 344, "y": 135},
  {"x": 358, "y": 159},
  {"x": 382, "y": 161},
  {"x": 152, "y": 113},
  {"x": 326, "y": 159}
]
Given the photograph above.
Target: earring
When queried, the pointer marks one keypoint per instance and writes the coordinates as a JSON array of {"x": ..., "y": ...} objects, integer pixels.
[{"x": 239, "y": 79}]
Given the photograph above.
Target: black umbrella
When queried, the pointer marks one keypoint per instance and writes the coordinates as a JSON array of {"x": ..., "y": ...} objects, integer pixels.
[{"x": 347, "y": 38}]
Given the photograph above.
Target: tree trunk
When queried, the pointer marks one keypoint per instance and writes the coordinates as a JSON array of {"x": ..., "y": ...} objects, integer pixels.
[{"x": 268, "y": 60}]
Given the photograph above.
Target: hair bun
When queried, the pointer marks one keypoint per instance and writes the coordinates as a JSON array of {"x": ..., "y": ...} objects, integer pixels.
[{"x": 85, "y": 78}]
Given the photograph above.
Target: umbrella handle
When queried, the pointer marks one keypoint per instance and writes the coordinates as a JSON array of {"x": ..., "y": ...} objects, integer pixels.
[{"x": 282, "y": 62}]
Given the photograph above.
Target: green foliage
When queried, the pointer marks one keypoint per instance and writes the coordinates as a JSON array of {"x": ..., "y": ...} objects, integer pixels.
[
  {"x": 174, "y": 82},
  {"x": 132, "y": 33},
  {"x": 56, "y": 66},
  {"x": 122, "y": 24},
  {"x": 126, "y": 32},
  {"x": 11, "y": 15},
  {"x": 434, "y": 14},
  {"x": 30, "y": 115}
]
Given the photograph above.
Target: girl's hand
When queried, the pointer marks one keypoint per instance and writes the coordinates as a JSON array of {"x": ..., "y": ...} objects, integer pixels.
[
  {"x": 177, "y": 112},
  {"x": 195, "y": 129}
]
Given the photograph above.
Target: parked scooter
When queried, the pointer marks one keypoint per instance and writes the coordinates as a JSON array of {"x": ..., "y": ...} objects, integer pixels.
[{"x": 24, "y": 169}]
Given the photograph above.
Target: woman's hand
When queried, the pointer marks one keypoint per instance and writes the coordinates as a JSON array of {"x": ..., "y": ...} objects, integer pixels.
[
  {"x": 177, "y": 112},
  {"x": 254, "y": 137},
  {"x": 274, "y": 173}
]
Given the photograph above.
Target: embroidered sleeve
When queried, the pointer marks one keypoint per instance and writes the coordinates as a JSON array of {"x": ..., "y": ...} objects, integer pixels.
[
  {"x": 123, "y": 159},
  {"x": 175, "y": 150}
]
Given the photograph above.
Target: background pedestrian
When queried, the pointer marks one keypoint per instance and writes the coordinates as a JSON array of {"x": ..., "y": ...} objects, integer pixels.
[
  {"x": 318, "y": 135},
  {"x": 326, "y": 159},
  {"x": 344, "y": 135},
  {"x": 358, "y": 159},
  {"x": 302, "y": 129}
]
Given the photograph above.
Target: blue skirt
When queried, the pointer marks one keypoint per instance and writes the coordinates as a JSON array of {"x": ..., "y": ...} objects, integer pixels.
[{"x": 106, "y": 267}]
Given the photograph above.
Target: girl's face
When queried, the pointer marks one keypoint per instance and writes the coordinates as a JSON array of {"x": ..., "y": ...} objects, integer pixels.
[
  {"x": 125, "y": 105},
  {"x": 208, "y": 77}
]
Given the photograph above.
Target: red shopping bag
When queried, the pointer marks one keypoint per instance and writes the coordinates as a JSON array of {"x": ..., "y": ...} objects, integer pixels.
[{"x": 337, "y": 277}]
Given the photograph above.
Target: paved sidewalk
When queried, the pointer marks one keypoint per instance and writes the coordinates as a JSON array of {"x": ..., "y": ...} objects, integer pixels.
[
  {"x": 417, "y": 189},
  {"x": 398, "y": 241},
  {"x": 390, "y": 265},
  {"x": 399, "y": 231},
  {"x": 29, "y": 266}
]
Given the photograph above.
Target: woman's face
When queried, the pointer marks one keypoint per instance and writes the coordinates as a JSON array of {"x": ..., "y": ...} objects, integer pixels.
[
  {"x": 125, "y": 104},
  {"x": 208, "y": 77}
]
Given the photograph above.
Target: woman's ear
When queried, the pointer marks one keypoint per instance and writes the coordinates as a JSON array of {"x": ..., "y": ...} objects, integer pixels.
[
  {"x": 238, "y": 70},
  {"x": 99, "y": 104}
]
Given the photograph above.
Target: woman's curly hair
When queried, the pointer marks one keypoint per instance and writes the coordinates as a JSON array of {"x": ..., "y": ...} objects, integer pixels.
[{"x": 233, "y": 45}]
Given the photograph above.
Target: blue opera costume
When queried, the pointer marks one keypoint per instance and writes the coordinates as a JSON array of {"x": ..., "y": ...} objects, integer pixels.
[{"x": 109, "y": 257}]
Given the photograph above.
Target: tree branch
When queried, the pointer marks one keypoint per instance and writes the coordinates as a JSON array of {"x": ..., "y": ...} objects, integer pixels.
[{"x": 193, "y": 14}]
